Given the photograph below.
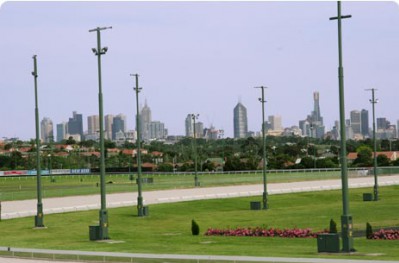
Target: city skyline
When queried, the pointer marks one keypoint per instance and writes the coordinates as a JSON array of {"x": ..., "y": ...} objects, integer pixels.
[
  {"x": 188, "y": 65},
  {"x": 357, "y": 126}
]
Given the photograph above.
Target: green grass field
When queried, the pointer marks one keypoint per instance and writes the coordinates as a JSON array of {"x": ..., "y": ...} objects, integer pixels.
[
  {"x": 21, "y": 188},
  {"x": 168, "y": 227}
]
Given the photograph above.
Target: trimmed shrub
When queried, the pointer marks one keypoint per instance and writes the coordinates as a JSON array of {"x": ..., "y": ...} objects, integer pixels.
[
  {"x": 333, "y": 226},
  {"x": 194, "y": 228},
  {"x": 369, "y": 231}
]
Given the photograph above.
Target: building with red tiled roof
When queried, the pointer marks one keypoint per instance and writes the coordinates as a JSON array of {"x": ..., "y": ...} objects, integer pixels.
[{"x": 392, "y": 156}]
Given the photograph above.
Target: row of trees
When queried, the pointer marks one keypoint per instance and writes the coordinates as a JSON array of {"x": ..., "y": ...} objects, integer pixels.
[{"x": 237, "y": 154}]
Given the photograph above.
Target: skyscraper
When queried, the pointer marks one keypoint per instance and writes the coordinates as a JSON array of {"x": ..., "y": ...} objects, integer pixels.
[
  {"x": 118, "y": 125},
  {"x": 75, "y": 124},
  {"x": 157, "y": 130},
  {"x": 365, "y": 123},
  {"x": 382, "y": 123},
  {"x": 145, "y": 120},
  {"x": 61, "y": 131},
  {"x": 356, "y": 121},
  {"x": 275, "y": 122},
  {"x": 316, "y": 115},
  {"x": 315, "y": 119},
  {"x": 93, "y": 124},
  {"x": 108, "y": 120},
  {"x": 189, "y": 126},
  {"x": 46, "y": 130},
  {"x": 240, "y": 121}
]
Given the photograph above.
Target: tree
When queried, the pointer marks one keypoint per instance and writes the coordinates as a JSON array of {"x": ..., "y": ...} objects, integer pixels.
[
  {"x": 208, "y": 166},
  {"x": 165, "y": 167},
  {"x": 383, "y": 160},
  {"x": 364, "y": 156},
  {"x": 70, "y": 141}
]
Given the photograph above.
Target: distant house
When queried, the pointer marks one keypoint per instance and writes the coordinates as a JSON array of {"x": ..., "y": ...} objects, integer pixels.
[
  {"x": 392, "y": 156},
  {"x": 112, "y": 151}
]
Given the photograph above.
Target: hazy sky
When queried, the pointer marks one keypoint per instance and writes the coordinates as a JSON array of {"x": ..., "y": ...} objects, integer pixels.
[{"x": 195, "y": 57}]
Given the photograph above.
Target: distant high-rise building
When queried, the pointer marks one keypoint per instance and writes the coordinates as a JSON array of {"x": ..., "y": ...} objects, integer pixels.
[
  {"x": 365, "y": 123},
  {"x": 118, "y": 125},
  {"x": 314, "y": 126},
  {"x": 382, "y": 123},
  {"x": 46, "y": 130},
  {"x": 157, "y": 130},
  {"x": 145, "y": 120},
  {"x": 75, "y": 124},
  {"x": 356, "y": 121},
  {"x": 316, "y": 115},
  {"x": 61, "y": 131},
  {"x": 189, "y": 125},
  {"x": 108, "y": 120},
  {"x": 397, "y": 129},
  {"x": 93, "y": 124},
  {"x": 240, "y": 121},
  {"x": 275, "y": 122},
  {"x": 199, "y": 129},
  {"x": 304, "y": 125}
]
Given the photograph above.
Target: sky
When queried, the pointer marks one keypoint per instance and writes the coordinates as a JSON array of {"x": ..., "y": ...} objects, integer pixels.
[{"x": 195, "y": 57}]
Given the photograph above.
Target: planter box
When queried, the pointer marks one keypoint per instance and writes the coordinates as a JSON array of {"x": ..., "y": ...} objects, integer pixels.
[{"x": 328, "y": 243}]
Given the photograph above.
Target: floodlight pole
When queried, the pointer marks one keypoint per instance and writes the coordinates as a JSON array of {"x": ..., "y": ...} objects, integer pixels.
[
  {"x": 103, "y": 213},
  {"x": 140, "y": 206},
  {"x": 196, "y": 180},
  {"x": 346, "y": 218},
  {"x": 373, "y": 102},
  {"x": 264, "y": 196},
  {"x": 39, "y": 214}
]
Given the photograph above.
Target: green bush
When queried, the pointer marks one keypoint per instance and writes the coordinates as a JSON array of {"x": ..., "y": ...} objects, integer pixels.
[
  {"x": 333, "y": 226},
  {"x": 194, "y": 228},
  {"x": 369, "y": 231}
]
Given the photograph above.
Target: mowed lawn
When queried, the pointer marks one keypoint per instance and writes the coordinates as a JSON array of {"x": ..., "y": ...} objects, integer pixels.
[{"x": 167, "y": 229}]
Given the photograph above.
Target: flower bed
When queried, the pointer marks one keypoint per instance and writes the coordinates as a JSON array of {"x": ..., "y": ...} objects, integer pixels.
[
  {"x": 263, "y": 232},
  {"x": 388, "y": 234}
]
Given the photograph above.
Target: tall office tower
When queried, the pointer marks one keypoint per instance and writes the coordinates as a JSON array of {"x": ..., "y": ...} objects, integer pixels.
[
  {"x": 108, "y": 120},
  {"x": 93, "y": 124},
  {"x": 199, "y": 129},
  {"x": 356, "y": 122},
  {"x": 382, "y": 123},
  {"x": 364, "y": 116},
  {"x": 275, "y": 122},
  {"x": 316, "y": 115},
  {"x": 336, "y": 131},
  {"x": 145, "y": 119},
  {"x": 397, "y": 129},
  {"x": 189, "y": 124},
  {"x": 240, "y": 121},
  {"x": 157, "y": 130},
  {"x": 61, "y": 131},
  {"x": 75, "y": 124},
  {"x": 315, "y": 119},
  {"x": 46, "y": 130},
  {"x": 118, "y": 125},
  {"x": 304, "y": 125}
]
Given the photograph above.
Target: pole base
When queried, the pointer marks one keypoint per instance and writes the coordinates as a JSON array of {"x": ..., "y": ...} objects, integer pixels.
[
  {"x": 376, "y": 193},
  {"x": 265, "y": 206},
  {"x": 103, "y": 227},
  {"x": 347, "y": 234},
  {"x": 39, "y": 220}
]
